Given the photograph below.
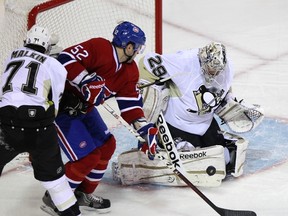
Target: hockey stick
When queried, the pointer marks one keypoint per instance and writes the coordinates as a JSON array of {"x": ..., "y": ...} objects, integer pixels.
[
  {"x": 220, "y": 211},
  {"x": 176, "y": 162},
  {"x": 160, "y": 81},
  {"x": 173, "y": 155},
  {"x": 122, "y": 121}
]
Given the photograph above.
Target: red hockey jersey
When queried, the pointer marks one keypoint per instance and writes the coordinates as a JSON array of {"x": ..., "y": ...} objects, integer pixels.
[{"x": 100, "y": 56}]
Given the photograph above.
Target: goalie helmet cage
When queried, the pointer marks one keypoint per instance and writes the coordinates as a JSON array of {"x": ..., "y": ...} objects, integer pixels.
[{"x": 74, "y": 21}]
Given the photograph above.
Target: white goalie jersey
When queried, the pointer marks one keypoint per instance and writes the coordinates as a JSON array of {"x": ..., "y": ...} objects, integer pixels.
[{"x": 192, "y": 102}]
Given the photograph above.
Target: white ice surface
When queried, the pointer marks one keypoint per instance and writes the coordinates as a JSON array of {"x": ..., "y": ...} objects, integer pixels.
[{"x": 256, "y": 36}]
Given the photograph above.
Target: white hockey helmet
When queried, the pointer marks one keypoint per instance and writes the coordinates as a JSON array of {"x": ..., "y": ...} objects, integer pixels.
[
  {"x": 38, "y": 36},
  {"x": 212, "y": 60}
]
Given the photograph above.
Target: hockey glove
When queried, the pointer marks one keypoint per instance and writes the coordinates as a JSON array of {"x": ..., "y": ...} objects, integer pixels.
[
  {"x": 72, "y": 104},
  {"x": 93, "y": 89},
  {"x": 149, "y": 133}
]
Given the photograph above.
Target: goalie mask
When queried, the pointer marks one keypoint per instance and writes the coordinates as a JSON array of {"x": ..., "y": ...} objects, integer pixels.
[
  {"x": 39, "y": 36},
  {"x": 212, "y": 60},
  {"x": 126, "y": 33}
]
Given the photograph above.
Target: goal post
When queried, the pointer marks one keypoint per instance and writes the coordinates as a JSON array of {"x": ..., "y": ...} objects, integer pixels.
[
  {"x": 74, "y": 21},
  {"x": 32, "y": 16}
]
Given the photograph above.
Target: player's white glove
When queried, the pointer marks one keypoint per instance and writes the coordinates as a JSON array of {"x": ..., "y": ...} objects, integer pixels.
[
  {"x": 149, "y": 133},
  {"x": 93, "y": 89},
  {"x": 54, "y": 49}
]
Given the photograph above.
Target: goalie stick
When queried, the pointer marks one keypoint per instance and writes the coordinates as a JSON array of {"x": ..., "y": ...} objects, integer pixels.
[
  {"x": 179, "y": 170},
  {"x": 161, "y": 81},
  {"x": 220, "y": 211},
  {"x": 174, "y": 158}
]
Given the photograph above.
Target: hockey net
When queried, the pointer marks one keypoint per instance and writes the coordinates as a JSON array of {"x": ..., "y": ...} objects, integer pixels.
[{"x": 74, "y": 21}]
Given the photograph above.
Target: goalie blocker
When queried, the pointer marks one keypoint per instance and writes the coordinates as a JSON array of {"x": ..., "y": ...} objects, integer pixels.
[{"x": 204, "y": 166}]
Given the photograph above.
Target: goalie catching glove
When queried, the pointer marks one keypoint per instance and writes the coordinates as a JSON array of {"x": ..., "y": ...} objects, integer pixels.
[
  {"x": 240, "y": 117},
  {"x": 149, "y": 133},
  {"x": 93, "y": 89}
]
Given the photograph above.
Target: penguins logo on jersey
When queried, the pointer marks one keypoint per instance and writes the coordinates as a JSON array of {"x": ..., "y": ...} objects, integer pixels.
[
  {"x": 32, "y": 112},
  {"x": 206, "y": 99}
]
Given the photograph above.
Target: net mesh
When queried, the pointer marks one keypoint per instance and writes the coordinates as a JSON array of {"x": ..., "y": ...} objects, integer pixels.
[{"x": 76, "y": 21}]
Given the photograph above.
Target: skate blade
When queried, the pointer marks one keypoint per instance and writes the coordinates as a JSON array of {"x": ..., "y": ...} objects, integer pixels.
[
  {"x": 48, "y": 210},
  {"x": 90, "y": 209}
]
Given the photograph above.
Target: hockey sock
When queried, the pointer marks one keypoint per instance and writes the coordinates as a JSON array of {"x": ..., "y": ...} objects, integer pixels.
[
  {"x": 92, "y": 180},
  {"x": 77, "y": 171},
  {"x": 60, "y": 192}
]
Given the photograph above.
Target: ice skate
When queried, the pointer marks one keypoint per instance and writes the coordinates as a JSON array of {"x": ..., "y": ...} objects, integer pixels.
[
  {"x": 91, "y": 202},
  {"x": 49, "y": 207}
]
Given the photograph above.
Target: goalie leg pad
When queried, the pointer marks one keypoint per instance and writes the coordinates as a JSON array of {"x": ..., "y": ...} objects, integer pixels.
[
  {"x": 239, "y": 157},
  {"x": 205, "y": 167},
  {"x": 133, "y": 167}
]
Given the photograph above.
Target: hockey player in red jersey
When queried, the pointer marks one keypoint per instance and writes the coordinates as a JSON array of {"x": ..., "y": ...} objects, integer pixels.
[{"x": 97, "y": 70}]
